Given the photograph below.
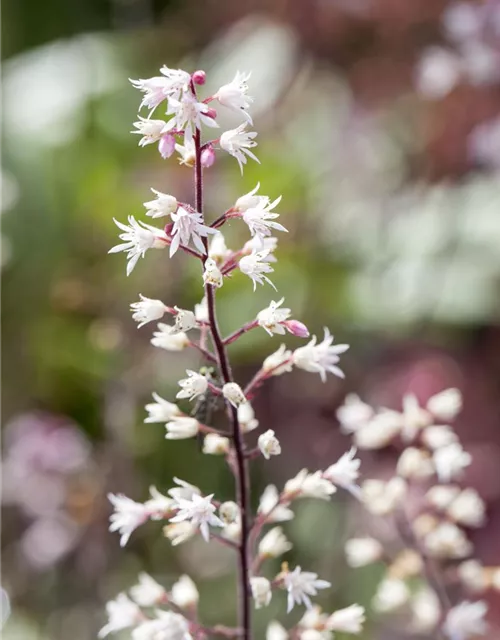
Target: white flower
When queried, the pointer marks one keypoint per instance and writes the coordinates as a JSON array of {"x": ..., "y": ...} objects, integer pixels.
[
  {"x": 229, "y": 512},
  {"x": 254, "y": 244},
  {"x": 320, "y": 358},
  {"x": 276, "y": 631},
  {"x": 194, "y": 385},
  {"x": 150, "y": 130},
  {"x": 161, "y": 410},
  {"x": 261, "y": 591},
  {"x": 391, "y": 594},
  {"x": 218, "y": 250},
  {"x": 353, "y": 414},
  {"x": 200, "y": 512},
  {"x": 215, "y": 445},
  {"x": 268, "y": 444},
  {"x": 234, "y": 95},
  {"x": 188, "y": 225},
  {"x": 166, "y": 626},
  {"x": 438, "y": 436},
  {"x": 468, "y": 509},
  {"x": 238, "y": 142},
  {"x": 187, "y": 152},
  {"x": 314, "y": 619},
  {"x": 201, "y": 310},
  {"x": 450, "y": 461},
  {"x": 171, "y": 84},
  {"x": 184, "y": 593},
  {"x": 381, "y": 498},
  {"x": 441, "y": 496},
  {"x": 184, "y": 320},
  {"x": 271, "y": 318},
  {"x": 274, "y": 544},
  {"x": 212, "y": 274},
  {"x": 300, "y": 585},
  {"x": 250, "y": 200},
  {"x": 181, "y": 427},
  {"x": 379, "y": 431},
  {"x": 147, "y": 310},
  {"x": 246, "y": 417},
  {"x": 122, "y": 613},
  {"x": 348, "y": 620},
  {"x": 255, "y": 267},
  {"x": 260, "y": 219},
  {"x": 345, "y": 472},
  {"x": 127, "y": 516},
  {"x": 447, "y": 541},
  {"x": 189, "y": 114},
  {"x": 168, "y": 338},
  {"x": 233, "y": 532},
  {"x": 426, "y": 611},
  {"x": 309, "y": 485},
  {"x": 158, "y": 506},
  {"x": 362, "y": 551},
  {"x": 438, "y": 72},
  {"x": 466, "y": 620},
  {"x": 183, "y": 490},
  {"x": 415, "y": 463},
  {"x": 163, "y": 205},
  {"x": 473, "y": 575},
  {"x": 179, "y": 532},
  {"x": 138, "y": 238},
  {"x": 414, "y": 417},
  {"x": 233, "y": 393},
  {"x": 148, "y": 592},
  {"x": 271, "y": 508},
  {"x": 446, "y": 404},
  {"x": 279, "y": 362}
]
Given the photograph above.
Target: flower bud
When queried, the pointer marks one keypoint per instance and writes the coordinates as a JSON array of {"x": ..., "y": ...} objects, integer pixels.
[
  {"x": 297, "y": 328},
  {"x": 268, "y": 444},
  {"x": 207, "y": 156},
  {"x": 179, "y": 532},
  {"x": 278, "y": 362},
  {"x": 473, "y": 576},
  {"x": 246, "y": 417},
  {"x": 415, "y": 463},
  {"x": 215, "y": 445},
  {"x": 211, "y": 113},
  {"x": 181, "y": 427},
  {"x": 232, "y": 392},
  {"x": 199, "y": 77},
  {"x": 391, "y": 594},
  {"x": 274, "y": 544},
  {"x": 212, "y": 275},
  {"x": 166, "y": 145},
  {"x": 261, "y": 591},
  {"x": 229, "y": 512},
  {"x": 184, "y": 593},
  {"x": 348, "y": 620},
  {"x": 362, "y": 551}
]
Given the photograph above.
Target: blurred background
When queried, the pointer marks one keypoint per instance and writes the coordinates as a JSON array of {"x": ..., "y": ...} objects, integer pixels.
[{"x": 379, "y": 123}]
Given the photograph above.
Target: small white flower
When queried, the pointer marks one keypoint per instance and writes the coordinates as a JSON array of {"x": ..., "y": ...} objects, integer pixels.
[
  {"x": 261, "y": 591},
  {"x": 447, "y": 541},
  {"x": 147, "y": 310},
  {"x": 168, "y": 338},
  {"x": 229, "y": 512},
  {"x": 234, "y": 95},
  {"x": 320, "y": 358},
  {"x": 268, "y": 444},
  {"x": 426, "y": 611},
  {"x": 187, "y": 152},
  {"x": 218, "y": 250},
  {"x": 468, "y": 509},
  {"x": 201, "y": 310},
  {"x": 250, "y": 200},
  {"x": 391, "y": 594},
  {"x": 150, "y": 130},
  {"x": 441, "y": 496},
  {"x": 166, "y": 626},
  {"x": 254, "y": 244},
  {"x": 238, "y": 142},
  {"x": 414, "y": 417},
  {"x": 446, "y": 404},
  {"x": 279, "y": 362},
  {"x": 212, "y": 274},
  {"x": 181, "y": 427},
  {"x": 184, "y": 593},
  {"x": 309, "y": 485},
  {"x": 260, "y": 219},
  {"x": 233, "y": 532},
  {"x": 179, "y": 532},
  {"x": 274, "y": 544},
  {"x": 161, "y": 410},
  {"x": 314, "y": 620},
  {"x": 215, "y": 445},
  {"x": 415, "y": 463},
  {"x": 450, "y": 461},
  {"x": 345, "y": 472},
  {"x": 127, "y": 516},
  {"x": 200, "y": 512},
  {"x": 138, "y": 237},
  {"x": 348, "y": 620},
  {"x": 473, "y": 575},
  {"x": 122, "y": 614},
  {"x": 171, "y": 84},
  {"x": 184, "y": 320},
  {"x": 194, "y": 385},
  {"x": 353, "y": 414},
  {"x": 246, "y": 417},
  {"x": 189, "y": 114},
  {"x": 233, "y": 393},
  {"x": 438, "y": 436},
  {"x": 362, "y": 551},
  {"x": 188, "y": 225},
  {"x": 183, "y": 490},
  {"x": 276, "y": 631},
  {"x": 147, "y": 593},
  {"x": 300, "y": 585},
  {"x": 382, "y": 498},
  {"x": 438, "y": 72},
  {"x": 272, "y": 318},
  {"x": 271, "y": 507},
  {"x": 379, "y": 431},
  {"x": 158, "y": 506},
  {"x": 163, "y": 205},
  {"x": 466, "y": 620},
  {"x": 255, "y": 267}
]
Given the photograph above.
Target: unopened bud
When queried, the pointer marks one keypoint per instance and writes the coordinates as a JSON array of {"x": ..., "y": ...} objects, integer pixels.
[
  {"x": 199, "y": 77},
  {"x": 232, "y": 392},
  {"x": 297, "y": 328},
  {"x": 207, "y": 157},
  {"x": 166, "y": 145},
  {"x": 211, "y": 113}
]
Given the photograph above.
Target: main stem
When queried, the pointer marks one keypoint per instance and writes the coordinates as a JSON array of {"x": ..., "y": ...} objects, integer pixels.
[{"x": 242, "y": 476}]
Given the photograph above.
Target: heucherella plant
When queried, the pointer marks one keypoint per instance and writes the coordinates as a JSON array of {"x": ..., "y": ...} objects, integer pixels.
[{"x": 151, "y": 611}]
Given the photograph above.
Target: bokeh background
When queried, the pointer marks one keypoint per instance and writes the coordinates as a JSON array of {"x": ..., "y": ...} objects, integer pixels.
[{"x": 378, "y": 122}]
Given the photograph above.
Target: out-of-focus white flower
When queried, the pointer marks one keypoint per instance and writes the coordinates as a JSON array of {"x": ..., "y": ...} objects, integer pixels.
[
  {"x": 353, "y": 414},
  {"x": 450, "y": 461},
  {"x": 201, "y": 310},
  {"x": 255, "y": 267},
  {"x": 441, "y": 496},
  {"x": 122, "y": 614},
  {"x": 362, "y": 551},
  {"x": 187, "y": 152},
  {"x": 229, "y": 512},
  {"x": 161, "y": 410},
  {"x": 169, "y": 339},
  {"x": 276, "y": 631},
  {"x": 163, "y": 205},
  {"x": 218, "y": 250},
  {"x": 200, "y": 512},
  {"x": 158, "y": 506},
  {"x": 271, "y": 507},
  {"x": 423, "y": 524},
  {"x": 254, "y": 244},
  {"x": 147, "y": 593},
  {"x": 438, "y": 72},
  {"x": 147, "y": 310},
  {"x": 238, "y": 142},
  {"x": 379, "y": 431},
  {"x": 167, "y": 625},
  {"x": 309, "y": 485},
  {"x": 463, "y": 21},
  {"x": 447, "y": 541},
  {"x": 274, "y": 544},
  {"x": 215, "y": 445},
  {"x": 314, "y": 619},
  {"x": 260, "y": 219},
  {"x": 495, "y": 579},
  {"x": 473, "y": 576},
  {"x": 212, "y": 274},
  {"x": 184, "y": 320},
  {"x": 468, "y": 509},
  {"x": 233, "y": 393},
  {"x": 249, "y": 200},
  {"x": 188, "y": 225},
  {"x": 348, "y": 620},
  {"x": 446, "y": 404},
  {"x": 171, "y": 84},
  {"x": 261, "y": 591},
  {"x": 189, "y": 114},
  {"x": 279, "y": 362},
  {"x": 179, "y": 532},
  {"x": 268, "y": 444},
  {"x": 127, "y": 516},
  {"x": 426, "y": 611},
  {"x": 320, "y": 358},
  {"x": 184, "y": 593},
  {"x": 181, "y": 427},
  {"x": 438, "y": 436},
  {"x": 183, "y": 490},
  {"x": 414, "y": 417},
  {"x": 233, "y": 532},
  {"x": 391, "y": 594},
  {"x": 138, "y": 237},
  {"x": 234, "y": 95},
  {"x": 466, "y": 620},
  {"x": 300, "y": 585},
  {"x": 194, "y": 385},
  {"x": 345, "y": 472},
  {"x": 272, "y": 318},
  {"x": 246, "y": 417},
  {"x": 380, "y": 497},
  {"x": 415, "y": 463}
]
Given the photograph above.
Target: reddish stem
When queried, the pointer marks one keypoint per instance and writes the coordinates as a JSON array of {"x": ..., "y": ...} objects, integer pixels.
[{"x": 236, "y": 334}]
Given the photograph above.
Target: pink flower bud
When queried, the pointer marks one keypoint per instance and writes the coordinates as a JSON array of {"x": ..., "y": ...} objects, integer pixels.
[
  {"x": 297, "y": 328},
  {"x": 168, "y": 228},
  {"x": 207, "y": 157},
  {"x": 199, "y": 77},
  {"x": 166, "y": 146},
  {"x": 211, "y": 113}
]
